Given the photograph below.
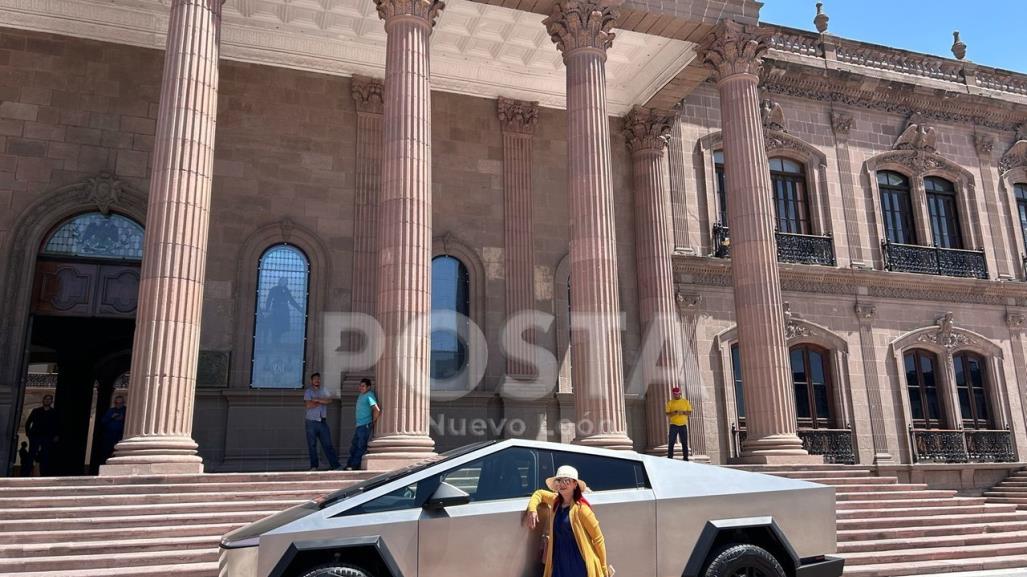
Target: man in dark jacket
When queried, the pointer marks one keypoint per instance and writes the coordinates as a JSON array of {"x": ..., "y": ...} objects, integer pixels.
[
  {"x": 41, "y": 428},
  {"x": 112, "y": 428}
]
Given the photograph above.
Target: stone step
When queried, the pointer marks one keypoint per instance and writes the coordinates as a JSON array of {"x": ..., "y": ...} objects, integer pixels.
[
  {"x": 63, "y": 513},
  {"x": 172, "y": 570},
  {"x": 907, "y": 503},
  {"x": 898, "y": 487},
  {"x": 1013, "y": 483},
  {"x": 785, "y": 468},
  {"x": 943, "y": 509},
  {"x": 241, "y": 517},
  {"x": 206, "y": 478},
  {"x": 845, "y": 481},
  {"x": 66, "y": 548},
  {"x": 105, "y": 561},
  {"x": 911, "y": 532},
  {"x": 880, "y": 545},
  {"x": 912, "y": 555},
  {"x": 111, "y": 535},
  {"x": 256, "y": 487},
  {"x": 1002, "y": 492},
  {"x": 859, "y": 473},
  {"x": 1020, "y": 502},
  {"x": 935, "y": 567},
  {"x": 931, "y": 520},
  {"x": 923, "y": 495},
  {"x": 105, "y": 500}
]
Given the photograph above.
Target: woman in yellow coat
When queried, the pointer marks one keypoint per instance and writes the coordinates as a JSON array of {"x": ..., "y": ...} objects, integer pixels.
[{"x": 575, "y": 547}]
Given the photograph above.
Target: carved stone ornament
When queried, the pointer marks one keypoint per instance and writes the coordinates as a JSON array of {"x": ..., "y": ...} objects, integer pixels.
[
  {"x": 688, "y": 303},
  {"x": 734, "y": 48},
  {"x": 821, "y": 19},
  {"x": 368, "y": 94},
  {"x": 946, "y": 336},
  {"x": 958, "y": 46},
  {"x": 647, "y": 129},
  {"x": 918, "y": 161},
  {"x": 841, "y": 123},
  {"x": 772, "y": 115},
  {"x": 286, "y": 225},
  {"x": 1015, "y": 320},
  {"x": 795, "y": 330},
  {"x": 577, "y": 24},
  {"x": 865, "y": 312},
  {"x": 518, "y": 116},
  {"x": 427, "y": 9},
  {"x": 1014, "y": 157},
  {"x": 917, "y": 136},
  {"x": 103, "y": 190},
  {"x": 984, "y": 144}
]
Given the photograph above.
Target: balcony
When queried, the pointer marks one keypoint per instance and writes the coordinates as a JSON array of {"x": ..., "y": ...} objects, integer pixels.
[
  {"x": 966, "y": 446},
  {"x": 934, "y": 260},
  {"x": 791, "y": 248},
  {"x": 835, "y": 445}
]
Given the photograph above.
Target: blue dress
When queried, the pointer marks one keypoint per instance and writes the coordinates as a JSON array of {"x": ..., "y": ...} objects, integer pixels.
[{"x": 567, "y": 560}]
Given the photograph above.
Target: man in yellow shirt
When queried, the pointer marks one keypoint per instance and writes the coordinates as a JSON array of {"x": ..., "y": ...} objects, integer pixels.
[{"x": 678, "y": 409}]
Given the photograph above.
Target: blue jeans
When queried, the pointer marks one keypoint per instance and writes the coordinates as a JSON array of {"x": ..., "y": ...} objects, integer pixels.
[
  {"x": 677, "y": 432},
  {"x": 358, "y": 446},
  {"x": 319, "y": 430}
]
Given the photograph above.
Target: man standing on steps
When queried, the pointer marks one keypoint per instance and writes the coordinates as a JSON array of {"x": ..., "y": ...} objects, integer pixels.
[
  {"x": 678, "y": 409},
  {"x": 367, "y": 415},
  {"x": 316, "y": 401},
  {"x": 41, "y": 429}
]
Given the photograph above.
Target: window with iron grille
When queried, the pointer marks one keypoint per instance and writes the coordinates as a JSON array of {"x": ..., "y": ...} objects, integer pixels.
[
  {"x": 96, "y": 235},
  {"x": 280, "y": 326}
]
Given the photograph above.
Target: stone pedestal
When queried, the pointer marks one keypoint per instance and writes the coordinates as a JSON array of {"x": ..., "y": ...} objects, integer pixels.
[
  {"x": 404, "y": 238},
  {"x": 581, "y": 30},
  {"x": 734, "y": 52},
  {"x": 158, "y": 428}
]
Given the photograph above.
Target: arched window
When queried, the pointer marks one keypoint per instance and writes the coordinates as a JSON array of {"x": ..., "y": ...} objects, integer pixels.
[
  {"x": 922, "y": 377},
  {"x": 96, "y": 235},
  {"x": 450, "y": 291},
  {"x": 280, "y": 328},
  {"x": 896, "y": 207},
  {"x": 788, "y": 180},
  {"x": 736, "y": 368},
  {"x": 941, "y": 205},
  {"x": 811, "y": 380},
  {"x": 718, "y": 166},
  {"x": 973, "y": 399},
  {"x": 1020, "y": 191}
]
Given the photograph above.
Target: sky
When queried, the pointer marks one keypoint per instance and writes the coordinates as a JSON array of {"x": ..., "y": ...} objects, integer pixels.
[{"x": 995, "y": 31}]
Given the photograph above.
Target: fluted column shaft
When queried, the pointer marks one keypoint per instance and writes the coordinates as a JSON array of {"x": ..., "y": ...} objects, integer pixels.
[
  {"x": 688, "y": 308},
  {"x": 647, "y": 133},
  {"x": 367, "y": 96},
  {"x": 518, "y": 120},
  {"x": 158, "y": 427},
  {"x": 734, "y": 52},
  {"x": 581, "y": 30},
  {"x": 865, "y": 314},
  {"x": 404, "y": 237}
]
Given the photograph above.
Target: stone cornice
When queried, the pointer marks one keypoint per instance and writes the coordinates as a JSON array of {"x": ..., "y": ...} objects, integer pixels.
[
  {"x": 367, "y": 94},
  {"x": 427, "y": 10},
  {"x": 578, "y": 24},
  {"x": 875, "y": 284},
  {"x": 734, "y": 48},
  {"x": 647, "y": 129},
  {"x": 517, "y": 116}
]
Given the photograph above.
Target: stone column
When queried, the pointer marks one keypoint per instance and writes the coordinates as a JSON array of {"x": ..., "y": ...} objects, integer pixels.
[
  {"x": 734, "y": 52},
  {"x": 688, "y": 311},
  {"x": 865, "y": 314},
  {"x": 367, "y": 96},
  {"x": 518, "y": 120},
  {"x": 404, "y": 237},
  {"x": 985, "y": 147},
  {"x": 158, "y": 427},
  {"x": 647, "y": 133},
  {"x": 581, "y": 31}
]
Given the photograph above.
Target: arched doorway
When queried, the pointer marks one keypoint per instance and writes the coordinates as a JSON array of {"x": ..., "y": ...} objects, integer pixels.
[{"x": 84, "y": 295}]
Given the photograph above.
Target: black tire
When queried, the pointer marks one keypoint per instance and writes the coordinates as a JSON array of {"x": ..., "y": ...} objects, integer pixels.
[
  {"x": 334, "y": 570},
  {"x": 744, "y": 561}
]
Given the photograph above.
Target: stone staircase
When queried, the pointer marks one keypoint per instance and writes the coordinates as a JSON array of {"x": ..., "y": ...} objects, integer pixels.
[
  {"x": 1011, "y": 491},
  {"x": 888, "y": 529},
  {"x": 137, "y": 526}
]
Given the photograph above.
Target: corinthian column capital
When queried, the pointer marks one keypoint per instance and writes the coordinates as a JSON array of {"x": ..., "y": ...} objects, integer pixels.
[
  {"x": 581, "y": 24},
  {"x": 865, "y": 313},
  {"x": 428, "y": 10},
  {"x": 647, "y": 129},
  {"x": 518, "y": 116},
  {"x": 367, "y": 94},
  {"x": 734, "y": 48}
]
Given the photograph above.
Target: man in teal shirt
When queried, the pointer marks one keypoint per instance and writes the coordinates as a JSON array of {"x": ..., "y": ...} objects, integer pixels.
[{"x": 367, "y": 415}]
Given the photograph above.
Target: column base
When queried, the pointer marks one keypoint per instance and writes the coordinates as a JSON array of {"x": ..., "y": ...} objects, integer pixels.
[
  {"x": 613, "y": 441},
  {"x": 883, "y": 459},
  {"x": 797, "y": 459},
  {"x": 154, "y": 455},
  {"x": 782, "y": 448},
  {"x": 150, "y": 469},
  {"x": 395, "y": 451}
]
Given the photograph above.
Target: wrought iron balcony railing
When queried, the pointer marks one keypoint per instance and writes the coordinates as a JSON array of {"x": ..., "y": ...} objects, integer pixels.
[
  {"x": 934, "y": 260},
  {"x": 835, "y": 445},
  {"x": 793, "y": 248},
  {"x": 966, "y": 446}
]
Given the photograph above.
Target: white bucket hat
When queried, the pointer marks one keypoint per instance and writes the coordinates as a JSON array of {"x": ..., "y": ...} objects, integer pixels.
[{"x": 568, "y": 472}]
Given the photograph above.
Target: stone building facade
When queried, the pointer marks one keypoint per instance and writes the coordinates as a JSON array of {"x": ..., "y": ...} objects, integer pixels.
[{"x": 851, "y": 163}]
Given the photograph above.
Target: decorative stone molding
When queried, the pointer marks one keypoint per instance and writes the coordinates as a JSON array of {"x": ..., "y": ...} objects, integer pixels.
[
  {"x": 578, "y": 24},
  {"x": 1014, "y": 157},
  {"x": 688, "y": 303},
  {"x": 368, "y": 94},
  {"x": 917, "y": 162},
  {"x": 865, "y": 312},
  {"x": 772, "y": 115},
  {"x": 103, "y": 190},
  {"x": 1015, "y": 320},
  {"x": 517, "y": 115},
  {"x": 425, "y": 9},
  {"x": 734, "y": 48},
  {"x": 821, "y": 19},
  {"x": 648, "y": 129},
  {"x": 841, "y": 123},
  {"x": 917, "y": 136},
  {"x": 775, "y": 141},
  {"x": 946, "y": 338},
  {"x": 984, "y": 145}
]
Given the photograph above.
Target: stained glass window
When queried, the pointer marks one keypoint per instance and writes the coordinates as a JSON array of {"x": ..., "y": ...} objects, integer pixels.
[
  {"x": 449, "y": 292},
  {"x": 95, "y": 235},
  {"x": 280, "y": 329}
]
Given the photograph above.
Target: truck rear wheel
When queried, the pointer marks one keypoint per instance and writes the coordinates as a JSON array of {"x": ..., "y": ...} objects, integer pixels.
[
  {"x": 744, "y": 561},
  {"x": 333, "y": 570}
]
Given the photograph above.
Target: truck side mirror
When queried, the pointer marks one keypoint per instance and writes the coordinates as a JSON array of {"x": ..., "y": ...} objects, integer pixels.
[{"x": 447, "y": 496}]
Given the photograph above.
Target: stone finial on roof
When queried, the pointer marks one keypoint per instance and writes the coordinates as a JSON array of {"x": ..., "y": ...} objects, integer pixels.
[
  {"x": 820, "y": 20},
  {"x": 958, "y": 46}
]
